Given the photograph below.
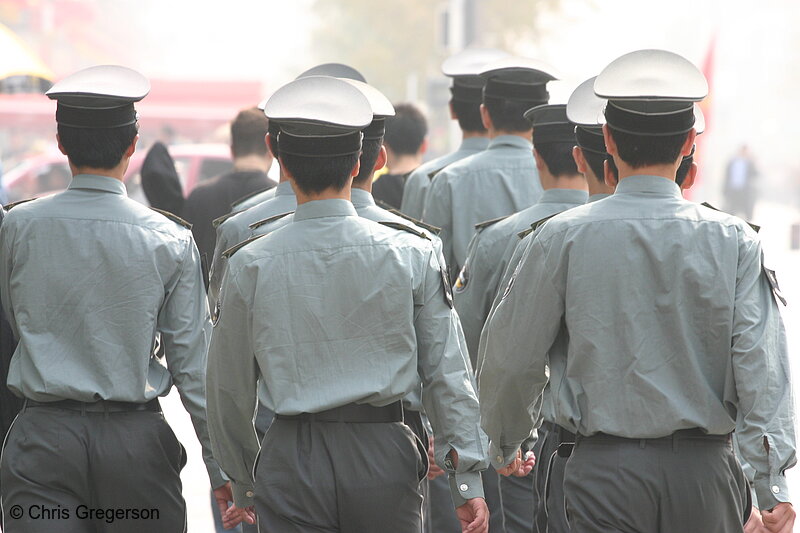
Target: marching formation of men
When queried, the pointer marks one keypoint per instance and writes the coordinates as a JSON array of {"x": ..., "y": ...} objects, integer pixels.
[{"x": 561, "y": 343}]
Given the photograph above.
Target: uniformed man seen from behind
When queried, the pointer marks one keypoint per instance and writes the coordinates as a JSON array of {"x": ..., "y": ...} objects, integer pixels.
[
  {"x": 91, "y": 434},
  {"x": 369, "y": 317},
  {"x": 674, "y": 334},
  {"x": 502, "y": 179},
  {"x": 465, "y": 107}
]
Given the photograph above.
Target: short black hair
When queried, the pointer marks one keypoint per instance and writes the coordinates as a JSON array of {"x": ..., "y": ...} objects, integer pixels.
[
  {"x": 96, "y": 147},
  {"x": 643, "y": 150},
  {"x": 558, "y": 158},
  {"x": 595, "y": 162},
  {"x": 508, "y": 115},
  {"x": 683, "y": 170},
  {"x": 370, "y": 149},
  {"x": 468, "y": 115},
  {"x": 315, "y": 174},
  {"x": 406, "y": 130},
  {"x": 248, "y": 132}
]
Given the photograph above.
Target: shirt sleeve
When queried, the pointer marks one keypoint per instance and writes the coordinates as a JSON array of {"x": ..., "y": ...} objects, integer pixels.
[
  {"x": 761, "y": 371},
  {"x": 438, "y": 212},
  {"x": 185, "y": 329},
  {"x": 471, "y": 293},
  {"x": 218, "y": 263},
  {"x": 514, "y": 338},
  {"x": 6, "y": 267},
  {"x": 448, "y": 387},
  {"x": 232, "y": 391},
  {"x": 413, "y": 194}
]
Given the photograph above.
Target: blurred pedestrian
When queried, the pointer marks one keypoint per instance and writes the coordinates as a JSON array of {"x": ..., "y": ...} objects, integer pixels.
[
  {"x": 251, "y": 162},
  {"x": 160, "y": 181},
  {"x": 406, "y": 142},
  {"x": 740, "y": 188}
]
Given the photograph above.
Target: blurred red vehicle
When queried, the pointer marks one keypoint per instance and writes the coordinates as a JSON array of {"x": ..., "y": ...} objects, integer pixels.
[{"x": 49, "y": 173}]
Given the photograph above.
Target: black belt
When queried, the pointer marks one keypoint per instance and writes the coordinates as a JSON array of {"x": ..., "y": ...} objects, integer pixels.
[
  {"x": 693, "y": 433},
  {"x": 564, "y": 435},
  {"x": 353, "y": 412},
  {"x": 100, "y": 406}
]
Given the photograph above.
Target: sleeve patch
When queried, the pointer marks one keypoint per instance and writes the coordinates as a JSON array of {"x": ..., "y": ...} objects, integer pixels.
[
  {"x": 463, "y": 278},
  {"x": 773, "y": 283}
]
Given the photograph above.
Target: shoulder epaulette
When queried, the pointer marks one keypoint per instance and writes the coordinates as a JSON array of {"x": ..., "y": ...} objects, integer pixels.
[
  {"x": 12, "y": 205},
  {"x": 248, "y": 196},
  {"x": 173, "y": 217},
  {"x": 755, "y": 227},
  {"x": 433, "y": 174},
  {"x": 421, "y": 224},
  {"x": 266, "y": 221},
  {"x": 536, "y": 225},
  {"x": 524, "y": 233},
  {"x": 383, "y": 205},
  {"x": 487, "y": 223},
  {"x": 227, "y": 254},
  {"x": 219, "y": 220},
  {"x": 403, "y": 227}
]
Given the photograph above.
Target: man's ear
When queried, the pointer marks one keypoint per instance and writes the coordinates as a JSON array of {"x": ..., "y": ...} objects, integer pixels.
[
  {"x": 580, "y": 161},
  {"x": 270, "y": 146},
  {"x": 608, "y": 176},
  {"x": 452, "y": 112},
  {"x": 356, "y": 169},
  {"x": 423, "y": 147},
  {"x": 540, "y": 165},
  {"x": 381, "y": 161},
  {"x": 611, "y": 146},
  {"x": 132, "y": 148},
  {"x": 486, "y": 118},
  {"x": 688, "y": 144},
  {"x": 61, "y": 146},
  {"x": 691, "y": 176}
]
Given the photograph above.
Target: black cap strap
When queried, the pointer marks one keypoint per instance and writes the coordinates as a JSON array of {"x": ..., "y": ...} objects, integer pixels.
[
  {"x": 320, "y": 146},
  {"x": 591, "y": 140},
  {"x": 376, "y": 130},
  {"x": 93, "y": 117},
  {"x": 652, "y": 125},
  {"x": 554, "y": 133},
  {"x": 523, "y": 92}
]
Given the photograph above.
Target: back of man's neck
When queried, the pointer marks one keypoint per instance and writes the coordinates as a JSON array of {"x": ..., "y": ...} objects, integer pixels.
[
  {"x": 252, "y": 163},
  {"x": 500, "y": 133},
  {"x": 403, "y": 164}
]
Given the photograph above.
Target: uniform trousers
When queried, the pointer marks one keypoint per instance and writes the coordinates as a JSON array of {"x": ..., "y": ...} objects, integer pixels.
[
  {"x": 687, "y": 482},
  {"x": 550, "y": 515},
  {"x": 67, "y": 471},
  {"x": 342, "y": 477}
]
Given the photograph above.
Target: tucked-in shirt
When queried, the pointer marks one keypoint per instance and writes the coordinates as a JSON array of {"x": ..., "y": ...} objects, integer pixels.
[
  {"x": 487, "y": 260},
  {"x": 672, "y": 325},
  {"x": 236, "y": 229},
  {"x": 419, "y": 181},
  {"x": 88, "y": 277},
  {"x": 497, "y": 182},
  {"x": 212, "y": 199},
  {"x": 335, "y": 309}
]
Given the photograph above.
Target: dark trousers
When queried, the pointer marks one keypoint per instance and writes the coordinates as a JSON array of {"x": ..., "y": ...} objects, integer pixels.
[
  {"x": 339, "y": 477},
  {"x": 687, "y": 483},
  {"x": 67, "y": 472}
]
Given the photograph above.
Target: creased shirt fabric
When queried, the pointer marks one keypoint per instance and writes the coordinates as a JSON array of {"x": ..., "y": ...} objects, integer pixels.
[
  {"x": 497, "y": 182},
  {"x": 419, "y": 182},
  {"x": 335, "y": 309},
  {"x": 237, "y": 229},
  {"x": 672, "y": 325},
  {"x": 87, "y": 278},
  {"x": 487, "y": 260}
]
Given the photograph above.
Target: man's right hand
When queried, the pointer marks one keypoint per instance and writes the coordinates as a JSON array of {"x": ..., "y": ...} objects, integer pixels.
[
  {"x": 779, "y": 519},
  {"x": 754, "y": 523},
  {"x": 473, "y": 516}
]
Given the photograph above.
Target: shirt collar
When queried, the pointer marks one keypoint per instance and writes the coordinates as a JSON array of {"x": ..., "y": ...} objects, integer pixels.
[
  {"x": 563, "y": 196},
  {"x": 98, "y": 183},
  {"x": 474, "y": 143},
  {"x": 598, "y": 196},
  {"x": 648, "y": 185},
  {"x": 361, "y": 198},
  {"x": 284, "y": 189},
  {"x": 324, "y": 208},
  {"x": 513, "y": 141}
]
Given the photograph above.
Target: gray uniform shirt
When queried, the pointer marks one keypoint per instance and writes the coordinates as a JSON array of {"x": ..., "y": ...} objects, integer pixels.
[
  {"x": 335, "y": 309},
  {"x": 254, "y": 200},
  {"x": 236, "y": 228},
  {"x": 499, "y": 181},
  {"x": 486, "y": 261},
  {"x": 672, "y": 325},
  {"x": 419, "y": 181},
  {"x": 87, "y": 278}
]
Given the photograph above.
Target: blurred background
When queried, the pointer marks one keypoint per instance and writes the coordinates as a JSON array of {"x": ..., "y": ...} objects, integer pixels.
[{"x": 205, "y": 63}]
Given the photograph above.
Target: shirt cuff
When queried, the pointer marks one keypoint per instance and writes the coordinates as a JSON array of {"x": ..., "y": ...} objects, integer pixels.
[
  {"x": 243, "y": 495},
  {"x": 501, "y": 457},
  {"x": 465, "y": 486},
  {"x": 771, "y": 491},
  {"x": 217, "y": 476}
]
